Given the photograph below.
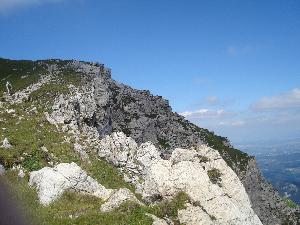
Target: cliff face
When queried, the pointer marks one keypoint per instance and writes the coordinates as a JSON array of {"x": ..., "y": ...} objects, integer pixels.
[
  {"x": 97, "y": 105},
  {"x": 266, "y": 201},
  {"x": 145, "y": 117}
]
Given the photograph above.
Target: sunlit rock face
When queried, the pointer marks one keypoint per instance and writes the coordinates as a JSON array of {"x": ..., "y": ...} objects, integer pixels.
[
  {"x": 222, "y": 199},
  {"x": 51, "y": 183}
]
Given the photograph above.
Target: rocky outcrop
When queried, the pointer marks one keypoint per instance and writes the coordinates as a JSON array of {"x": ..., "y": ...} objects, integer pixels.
[
  {"x": 194, "y": 215},
  {"x": 222, "y": 199},
  {"x": 51, "y": 183},
  {"x": 23, "y": 95},
  {"x": 118, "y": 198},
  {"x": 157, "y": 221}
]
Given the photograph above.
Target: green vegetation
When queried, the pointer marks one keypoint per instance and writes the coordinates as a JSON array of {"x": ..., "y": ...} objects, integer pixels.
[
  {"x": 170, "y": 208},
  {"x": 203, "y": 159},
  {"x": 290, "y": 203},
  {"x": 20, "y": 73},
  {"x": 235, "y": 158},
  {"x": 28, "y": 132},
  {"x": 73, "y": 208},
  {"x": 232, "y": 156},
  {"x": 215, "y": 176},
  {"x": 106, "y": 174},
  {"x": 163, "y": 143}
]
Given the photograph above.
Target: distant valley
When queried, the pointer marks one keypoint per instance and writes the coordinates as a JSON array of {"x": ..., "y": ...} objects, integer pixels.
[{"x": 280, "y": 164}]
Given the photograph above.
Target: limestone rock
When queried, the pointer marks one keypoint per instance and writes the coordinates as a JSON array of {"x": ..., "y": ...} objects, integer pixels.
[
  {"x": 51, "y": 183},
  {"x": 194, "y": 215},
  {"x": 185, "y": 171},
  {"x": 82, "y": 153},
  {"x": 10, "y": 111},
  {"x": 117, "y": 198},
  {"x": 117, "y": 148},
  {"x": 6, "y": 144},
  {"x": 156, "y": 220}
]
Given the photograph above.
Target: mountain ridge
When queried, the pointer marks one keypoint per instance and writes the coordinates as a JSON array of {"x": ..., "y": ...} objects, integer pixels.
[{"x": 110, "y": 107}]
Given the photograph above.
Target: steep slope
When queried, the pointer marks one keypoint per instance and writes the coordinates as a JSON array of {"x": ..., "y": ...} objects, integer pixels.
[{"x": 82, "y": 97}]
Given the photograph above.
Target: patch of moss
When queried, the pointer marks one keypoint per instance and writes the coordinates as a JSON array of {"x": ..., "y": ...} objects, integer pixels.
[
  {"x": 215, "y": 176},
  {"x": 170, "y": 208},
  {"x": 203, "y": 159},
  {"x": 163, "y": 143}
]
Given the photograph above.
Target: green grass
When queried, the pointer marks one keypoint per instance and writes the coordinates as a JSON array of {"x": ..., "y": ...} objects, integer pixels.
[
  {"x": 106, "y": 174},
  {"x": 235, "y": 158},
  {"x": 290, "y": 203},
  {"x": 74, "y": 208},
  {"x": 27, "y": 136},
  {"x": 13, "y": 70},
  {"x": 232, "y": 156},
  {"x": 170, "y": 208}
]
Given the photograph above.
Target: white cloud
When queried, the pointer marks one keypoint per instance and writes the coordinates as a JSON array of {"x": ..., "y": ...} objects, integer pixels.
[
  {"x": 285, "y": 101},
  {"x": 267, "y": 118},
  {"x": 201, "y": 114},
  {"x": 7, "y": 6},
  {"x": 233, "y": 123}
]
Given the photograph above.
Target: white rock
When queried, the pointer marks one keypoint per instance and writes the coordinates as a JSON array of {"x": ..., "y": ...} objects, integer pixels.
[
  {"x": 51, "y": 183},
  {"x": 82, "y": 153},
  {"x": 10, "y": 111},
  {"x": 194, "y": 216},
  {"x": 44, "y": 149},
  {"x": 224, "y": 203},
  {"x": 6, "y": 144},
  {"x": 117, "y": 198},
  {"x": 156, "y": 220},
  {"x": 21, "y": 173},
  {"x": 117, "y": 148},
  {"x": 19, "y": 96},
  {"x": 147, "y": 154}
]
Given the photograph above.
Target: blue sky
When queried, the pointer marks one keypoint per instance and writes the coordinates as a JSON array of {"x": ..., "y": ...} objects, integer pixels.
[{"x": 231, "y": 66}]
